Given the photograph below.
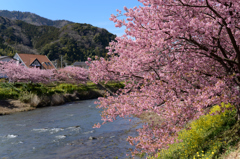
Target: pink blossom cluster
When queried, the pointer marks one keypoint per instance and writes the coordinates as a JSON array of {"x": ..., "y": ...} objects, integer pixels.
[
  {"x": 72, "y": 74},
  {"x": 177, "y": 57},
  {"x": 19, "y": 73}
]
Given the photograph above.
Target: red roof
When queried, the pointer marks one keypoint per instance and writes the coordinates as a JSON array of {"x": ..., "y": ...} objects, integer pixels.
[{"x": 28, "y": 59}]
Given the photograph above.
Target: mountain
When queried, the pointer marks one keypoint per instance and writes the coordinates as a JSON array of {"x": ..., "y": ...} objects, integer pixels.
[
  {"x": 32, "y": 18},
  {"x": 73, "y": 42}
]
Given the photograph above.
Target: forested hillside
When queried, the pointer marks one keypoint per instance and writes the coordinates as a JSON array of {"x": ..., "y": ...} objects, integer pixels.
[
  {"x": 74, "y": 42},
  {"x": 78, "y": 41},
  {"x": 33, "y": 18}
]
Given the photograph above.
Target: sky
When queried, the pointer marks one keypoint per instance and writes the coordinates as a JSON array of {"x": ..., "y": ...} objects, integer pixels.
[{"x": 94, "y": 12}]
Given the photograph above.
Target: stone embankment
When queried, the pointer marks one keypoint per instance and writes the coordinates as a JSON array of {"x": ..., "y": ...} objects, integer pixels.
[
  {"x": 59, "y": 99},
  {"x": 10, "y": 106}
]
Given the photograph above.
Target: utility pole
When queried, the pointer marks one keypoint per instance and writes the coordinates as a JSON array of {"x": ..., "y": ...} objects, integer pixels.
[{"x": 61, "y": 61}]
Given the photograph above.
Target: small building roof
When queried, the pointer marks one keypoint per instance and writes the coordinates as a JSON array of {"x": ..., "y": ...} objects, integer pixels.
[
  {"x": 79, "y": 64},
  {"x": 28, "y": 59},
  {"x": 32, "y": 60}
]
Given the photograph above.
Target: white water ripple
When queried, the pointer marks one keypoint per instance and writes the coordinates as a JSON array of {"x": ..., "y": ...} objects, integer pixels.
[
  {"x": 61, "y": 136},
  {"x": 11, "y": 136},
  {"x": 40, "y": 130},
  {"x": 74, "y": 128},
  {"x": 52, "y": 130},
  {"x": 88, "y": 132},
  {"x": 55, "y": 130}
]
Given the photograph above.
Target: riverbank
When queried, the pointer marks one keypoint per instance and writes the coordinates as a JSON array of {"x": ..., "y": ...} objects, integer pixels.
[
  {"x": 10, "y": 106},
  {"x": 20, "y": 97}
]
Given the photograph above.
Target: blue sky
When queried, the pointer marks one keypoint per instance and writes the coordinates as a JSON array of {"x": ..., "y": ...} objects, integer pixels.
[{"x": 95, "y": 12}]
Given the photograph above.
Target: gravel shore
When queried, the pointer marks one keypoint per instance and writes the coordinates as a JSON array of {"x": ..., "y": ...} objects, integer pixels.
[{"x": 10, "y": 106}]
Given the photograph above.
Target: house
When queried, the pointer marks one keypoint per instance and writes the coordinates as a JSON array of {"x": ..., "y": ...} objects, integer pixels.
[
  {"x": 32, "y": 60},
  {"x": 5, "y": 58},
  {"x": 80, "y": 64}
]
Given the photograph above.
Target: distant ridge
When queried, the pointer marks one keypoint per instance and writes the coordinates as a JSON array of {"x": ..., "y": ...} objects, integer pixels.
[
  {"x": 33, "y": 18},
  {"x": 72, "y": 42}
]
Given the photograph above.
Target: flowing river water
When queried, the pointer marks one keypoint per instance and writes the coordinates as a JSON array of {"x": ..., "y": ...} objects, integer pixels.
[{"x": 64, "y": 132}]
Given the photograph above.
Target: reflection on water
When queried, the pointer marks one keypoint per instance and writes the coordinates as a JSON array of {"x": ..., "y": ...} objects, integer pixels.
[{"x": 64, "y": 132}]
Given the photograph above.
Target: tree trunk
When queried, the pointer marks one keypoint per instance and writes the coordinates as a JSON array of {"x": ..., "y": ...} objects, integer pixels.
[
  {"x": 238, "y": 113},
  {"x": 103, "y": 87}
]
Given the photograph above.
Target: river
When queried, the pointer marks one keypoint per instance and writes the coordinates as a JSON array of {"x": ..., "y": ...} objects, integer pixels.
[{"x": 63, "y": 132}]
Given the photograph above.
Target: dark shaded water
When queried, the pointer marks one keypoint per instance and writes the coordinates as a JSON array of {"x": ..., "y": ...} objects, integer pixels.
[{"x": 63, "y": 132}]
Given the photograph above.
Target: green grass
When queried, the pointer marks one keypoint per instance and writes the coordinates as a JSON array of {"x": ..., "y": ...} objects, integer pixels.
[
  {"x": 24, "y": 91},
  {"x": 208, "y": 137},
  {"x": 8, "y": 91}
]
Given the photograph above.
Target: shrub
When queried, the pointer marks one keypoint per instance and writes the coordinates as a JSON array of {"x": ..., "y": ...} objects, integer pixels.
[
  {"x": 8, "y": 94},
  {"x": 8, "y": 91},
  {"x": 65, "y": 88},
  {"x": 25, "y": 97}
]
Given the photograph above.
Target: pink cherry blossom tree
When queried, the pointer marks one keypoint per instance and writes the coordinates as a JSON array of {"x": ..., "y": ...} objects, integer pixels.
[
  {"x": 71, "y": 74},
  {"x": 177, "y": 57},
  {"x": 19, "y": 73}
]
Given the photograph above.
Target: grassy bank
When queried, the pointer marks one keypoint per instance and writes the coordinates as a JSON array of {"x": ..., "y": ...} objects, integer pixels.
[
  {"x": 22, "y": 91},
  {"x": 16, "y": 97},
  {"x": 214, "y": 135}
]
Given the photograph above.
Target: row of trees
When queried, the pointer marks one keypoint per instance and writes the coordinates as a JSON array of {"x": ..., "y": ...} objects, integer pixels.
[
  {"x": 19, "y": 73},
  {"x": 178, "y": 57}
]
